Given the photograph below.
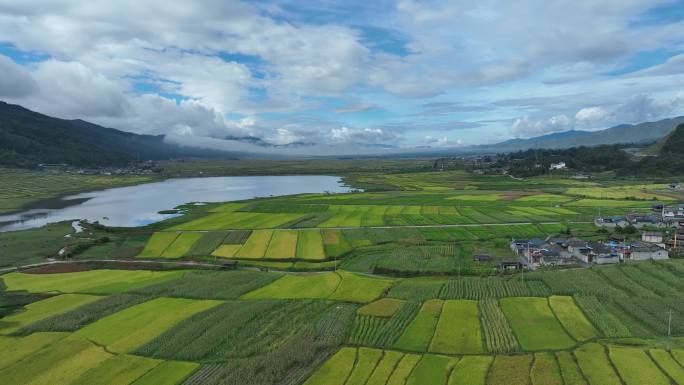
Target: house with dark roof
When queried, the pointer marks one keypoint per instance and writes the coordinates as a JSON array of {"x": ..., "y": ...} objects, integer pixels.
[{"x": 643, "y": 251}]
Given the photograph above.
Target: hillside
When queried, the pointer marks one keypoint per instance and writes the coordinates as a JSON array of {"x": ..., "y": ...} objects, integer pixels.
[
  {"x": 674, "y": 143},
  {"x": 624, "y": 133},
  {"x": 28, "y": 138}
]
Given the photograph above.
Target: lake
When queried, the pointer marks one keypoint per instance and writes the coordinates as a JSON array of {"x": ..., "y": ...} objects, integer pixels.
[{"x": 139, "y": 205}]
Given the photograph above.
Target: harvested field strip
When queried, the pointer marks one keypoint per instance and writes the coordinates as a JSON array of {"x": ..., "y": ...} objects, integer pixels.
[
  {"x": 597, "y": 369},
  {"x": 157, "y": 243},
  {"x": 418, "y": 334},
  {"x": 534, "y": 324},
  {"x": 92, "y": 281},
  {"x": 499, "y": 337},
  {"x": 130, "y": 328},
  {"x": 15, "y": 349},
  {"x": 572, "y": 318},
  {"x": 181, "y": 246},
  {"x": 636, "y": 367},
  {"x": 510, "y": 370},
  {"x": 458, "y": 329},
  {"x": 310, "y": 245},
  {"x": 46, "y": 308},
  {"x": 256, "y": 245},
  {"x": 470, "y": 370},
  {"x": 283, "y": 245},
  {"x": 336, "y": 370}
]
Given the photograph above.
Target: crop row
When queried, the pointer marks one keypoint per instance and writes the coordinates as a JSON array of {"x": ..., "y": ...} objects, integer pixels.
[{"x": 499, "y": 337}]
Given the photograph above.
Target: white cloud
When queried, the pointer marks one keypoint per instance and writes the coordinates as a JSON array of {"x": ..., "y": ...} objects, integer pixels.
[
  {"x": 528, "y": 127},
  {"x": 15, "y": 81}
]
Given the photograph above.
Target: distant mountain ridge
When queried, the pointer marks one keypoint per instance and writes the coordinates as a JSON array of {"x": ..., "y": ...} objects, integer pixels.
[
  {"x": 28, "y": 138},
  {"x": 621, "y": 134}
]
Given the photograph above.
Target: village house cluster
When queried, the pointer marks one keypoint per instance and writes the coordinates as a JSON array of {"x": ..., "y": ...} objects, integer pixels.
[{"x": 666, "y": 238}]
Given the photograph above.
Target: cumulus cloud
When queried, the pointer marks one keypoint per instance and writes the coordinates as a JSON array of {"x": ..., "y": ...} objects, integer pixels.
[
  {"x": 15, "y": 80},
  {"x": 527, "y": 127}
]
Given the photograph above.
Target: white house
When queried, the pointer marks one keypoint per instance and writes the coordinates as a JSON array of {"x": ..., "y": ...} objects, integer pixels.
[
  {"x": 652, "y": 237},
  {"x": 557, "y": 166},
  {"x": 644, "y": 251}
]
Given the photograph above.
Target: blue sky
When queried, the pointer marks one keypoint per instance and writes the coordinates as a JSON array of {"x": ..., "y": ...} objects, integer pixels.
[{"x": 344, "y": 76}]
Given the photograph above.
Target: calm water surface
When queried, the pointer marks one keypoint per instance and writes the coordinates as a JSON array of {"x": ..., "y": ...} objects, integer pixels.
[{"x": 139, "y": 205}]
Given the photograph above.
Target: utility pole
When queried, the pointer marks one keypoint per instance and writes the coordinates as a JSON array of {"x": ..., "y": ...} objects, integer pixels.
[{"x": 669, "y": 322}]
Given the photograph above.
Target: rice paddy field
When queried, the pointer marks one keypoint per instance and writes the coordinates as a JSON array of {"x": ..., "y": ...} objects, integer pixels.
[{"x": 366, "y": 288}]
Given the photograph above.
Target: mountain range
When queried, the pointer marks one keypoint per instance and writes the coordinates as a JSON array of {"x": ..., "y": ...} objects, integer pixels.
[
  {"x": 28, "y": 138},
  {"x": 622, "y": 134}
]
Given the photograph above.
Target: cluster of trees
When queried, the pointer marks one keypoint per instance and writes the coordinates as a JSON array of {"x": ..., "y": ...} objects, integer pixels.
[{"x": 668, "y": 162}]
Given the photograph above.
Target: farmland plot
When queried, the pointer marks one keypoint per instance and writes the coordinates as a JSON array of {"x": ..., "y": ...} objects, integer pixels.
[
  {"x": 44, "y": 309},
  {"x": 635, "y": 367},
  {"x": 92, "y": 281},
  {"x": 157, "y": 243},
  {"x": 256, "y": 245},
  {"x": 403, "y": 369},
  {"x": 384, "y": 307},
  {"x": 534, "y": 324},
  {"x": 570, "y": 371},
  {"x": 432, "y": 369},
  {"x": 571, "y": 317},
  {"x": 168, "y": 372},
  {"x": 366, "y": 361},
  {"x": 60, "y": 363},
  {"x": 130, "y": 328},
  {"x": 499, "y": 337},
  {"x": 545, "y": 370},
  {"x": 510, "y": 370},
  {"x": 16, "y": 348},
  {"x": 181, "y": 245},
  {"x": 283, "y": 245},
  {"x": 458, "y": 329},
  {"x": 385, "y": 367},
  {"x": 597, "y": 369},
  {"x": 310, "y": 245},
  {"x": 470, "y": 370},
  {"x": 418, "y": 334},
  {"x": 336, "y": 370}
]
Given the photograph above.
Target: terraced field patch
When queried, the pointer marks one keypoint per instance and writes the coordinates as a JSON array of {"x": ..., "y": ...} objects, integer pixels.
[
  {"x": 17, "y": 348},
  {"x": 336, "y": 370},
  {"x": 384, "y": 307}
]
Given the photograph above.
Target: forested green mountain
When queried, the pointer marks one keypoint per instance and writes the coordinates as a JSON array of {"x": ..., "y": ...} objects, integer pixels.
[{"x": 28, "y": 138}]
